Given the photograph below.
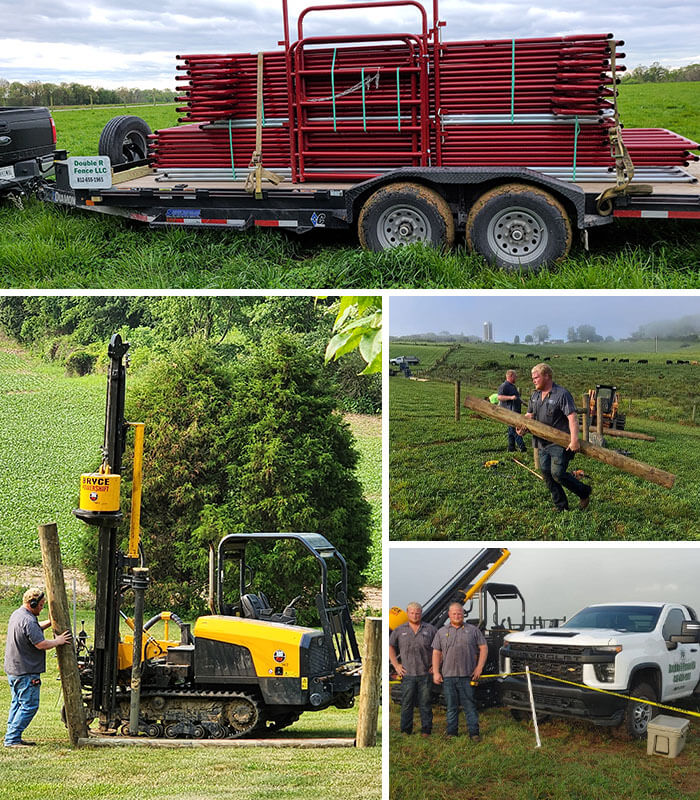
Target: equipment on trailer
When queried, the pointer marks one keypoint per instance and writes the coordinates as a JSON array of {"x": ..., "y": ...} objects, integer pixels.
[
  {"x": 610, "y": 399},
  {"x": 242, "y": 670}
]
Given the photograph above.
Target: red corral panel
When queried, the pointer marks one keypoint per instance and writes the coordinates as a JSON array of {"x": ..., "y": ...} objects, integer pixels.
[{"x": 349, "y": 107}]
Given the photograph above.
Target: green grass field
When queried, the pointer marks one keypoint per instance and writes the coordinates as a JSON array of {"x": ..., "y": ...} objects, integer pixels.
[
  {"x": 53, "y": 769},
  {"x": 47, "y": 247},
  {"x": 52, "y": 428},
  {"x": 575, "y": 761},
  {"x": 440, "y": 490}
]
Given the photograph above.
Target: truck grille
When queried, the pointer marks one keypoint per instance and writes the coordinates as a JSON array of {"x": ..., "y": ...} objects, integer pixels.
[{"x": 564, "y": 662}]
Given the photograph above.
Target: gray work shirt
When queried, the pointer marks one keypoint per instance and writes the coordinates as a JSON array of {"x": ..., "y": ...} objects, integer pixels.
[
  {"x": 553, "y": 410},
  {"x": 459, "y": 648},
  {"x": 415, "y": 649},
  {"x": 23, "y": 633},
  {"x": 510, "y": 389}
]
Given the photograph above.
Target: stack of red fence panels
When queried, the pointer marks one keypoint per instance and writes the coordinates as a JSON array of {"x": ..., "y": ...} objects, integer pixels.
[{"x": 359, "y": 110}]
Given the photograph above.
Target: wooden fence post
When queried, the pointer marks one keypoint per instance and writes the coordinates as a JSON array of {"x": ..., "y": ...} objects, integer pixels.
[
  {"x": 371, "y": 685},
  {"x": 60, "y": 621},
  {"x": 458, "y": 386},
  {"x": 585, "y": 418},
  {"x": 599, "y": 416}
]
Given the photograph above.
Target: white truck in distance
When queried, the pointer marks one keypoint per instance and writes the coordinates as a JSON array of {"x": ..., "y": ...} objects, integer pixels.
[{"x": 648, "y": 651}]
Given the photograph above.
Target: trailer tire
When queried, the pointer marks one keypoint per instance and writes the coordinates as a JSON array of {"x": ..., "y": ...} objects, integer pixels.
[
  {"x": 405, "y": 213},
  {"x": 124, "y": 139},
  {"x": 516, "y": 226},
  {"x": 639, "y": 715}
]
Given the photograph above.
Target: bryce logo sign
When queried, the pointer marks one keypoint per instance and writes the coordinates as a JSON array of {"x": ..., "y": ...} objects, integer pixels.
[
  {"x": 279, "y": 656},
  {"x": 89, "y": 172}
]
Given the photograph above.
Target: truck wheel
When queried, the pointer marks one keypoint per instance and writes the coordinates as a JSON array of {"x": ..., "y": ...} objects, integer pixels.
[
  {"x": 516, "y": 226},
  {"x": 639, "y": 715},
  {"x": 619, "y": 422},
  {"x": 405, "y": 213},
  {"x": 124, "y": 139}
]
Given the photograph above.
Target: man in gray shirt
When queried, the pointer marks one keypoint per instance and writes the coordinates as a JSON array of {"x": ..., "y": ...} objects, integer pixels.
[
  {"x": 459, "y": 655},
  {"x": 554, "y": 405},
  {"x": 25, "y": 660},
  {"x": 413, "y": 641}
]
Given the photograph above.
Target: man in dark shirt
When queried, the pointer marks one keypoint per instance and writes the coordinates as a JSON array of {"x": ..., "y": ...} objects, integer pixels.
[
  {"x": 509, "y": 397},
  {"x": 553, "y": 405},
  {"x": 413, "y": 641},
  {"x": 459, "y": 655},
  {"x": 25, "y": 660}
]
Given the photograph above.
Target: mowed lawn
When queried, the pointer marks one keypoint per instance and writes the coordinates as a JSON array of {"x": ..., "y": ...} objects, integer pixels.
[
  {"x": 440, "y": 488},
  {"x": 48, "y": 247},
  {"x": 54, "y": 770},
  {"x": 576, "y": 762}
]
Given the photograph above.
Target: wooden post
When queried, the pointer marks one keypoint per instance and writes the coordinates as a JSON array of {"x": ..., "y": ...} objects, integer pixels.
[
  {"x": 599, "y": 415},
  {"x": 458, "y": 411},
  {"x": 585, "y": 417},
  {"x": 536, "y": 458},
  {"x": 60, "y": 621},
  {"x": 629, "y": 434},
  {"x": 638, "y": 468},
  {"x": 371, "y": 685},
  {"x": 695, "y": 405}
]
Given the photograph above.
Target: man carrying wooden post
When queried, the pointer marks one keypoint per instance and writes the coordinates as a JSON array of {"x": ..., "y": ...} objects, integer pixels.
[{"x": 553, "y": 405}]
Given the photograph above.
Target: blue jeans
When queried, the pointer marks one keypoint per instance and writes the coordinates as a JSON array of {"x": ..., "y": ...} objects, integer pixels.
[
  {"x": 554, "y": 461},
  {"x": 459, "y": 692},
  {"x": 416, "y": 690},
  {"x": 514, "y": 440},
  {"x": 24, "y": 705}
]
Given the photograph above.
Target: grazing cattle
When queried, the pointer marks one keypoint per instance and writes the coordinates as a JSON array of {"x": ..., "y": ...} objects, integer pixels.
[
  {"x": 530, "y": 355},
  {"x": 592, "y": 358},
  {"x": 556, "y": 355},
  {"x": 547, "y": 358},
  {"x": 624, "y": 360},
  {"x": 605, "y": 359},
  {"x": 680, "y": 362},
  {"x": 612, "y": 359},
  {"x": 512, "y": 355},
  {"x": 642, "y": 361},
  {"x": 580, "y": 358},
  {"x": 694, "y": 362},
  {"x": 669, "y": 362}
]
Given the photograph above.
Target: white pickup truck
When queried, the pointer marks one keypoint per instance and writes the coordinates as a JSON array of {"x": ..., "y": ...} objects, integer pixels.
[{"x": 649, "y": 651}]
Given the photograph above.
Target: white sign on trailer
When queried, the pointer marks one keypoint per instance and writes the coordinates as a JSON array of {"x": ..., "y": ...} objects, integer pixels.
[{"x": 90, "y": 172}]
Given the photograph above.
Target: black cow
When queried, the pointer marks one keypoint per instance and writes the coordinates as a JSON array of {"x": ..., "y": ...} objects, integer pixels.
[
  {"x": 592, "y": 358},
  {"x": 669, "y": 362},
  {"x": 642, "y": 361}
]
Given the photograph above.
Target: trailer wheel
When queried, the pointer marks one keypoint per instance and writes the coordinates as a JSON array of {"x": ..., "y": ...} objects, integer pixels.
[
  {"x": 124, "y": 139},
  {"x": 639, "y": 715},
  {"x": 405, "y": 213},
  {"x": 516, "y": 226}
]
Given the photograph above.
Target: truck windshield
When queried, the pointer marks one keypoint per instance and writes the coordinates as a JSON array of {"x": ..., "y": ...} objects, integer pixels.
[{"x": 636, "y": 619}]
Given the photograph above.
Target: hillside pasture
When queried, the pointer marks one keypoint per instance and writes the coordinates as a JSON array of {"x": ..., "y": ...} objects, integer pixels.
[
  {"x": 52, "y": 432},
  {"x": 42, "y": 246},
  {"x": 441, "y": 490}
]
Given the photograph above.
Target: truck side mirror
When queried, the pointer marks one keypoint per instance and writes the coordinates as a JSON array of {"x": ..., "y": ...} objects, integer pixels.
[{"x": 690, "y": 633}]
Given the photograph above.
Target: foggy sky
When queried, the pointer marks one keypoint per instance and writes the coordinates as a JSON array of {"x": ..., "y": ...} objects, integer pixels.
[
  {"x": 134, "y": 42},
  {"x": 616, "y": 316},
  {"x": 557, "y": 581}
]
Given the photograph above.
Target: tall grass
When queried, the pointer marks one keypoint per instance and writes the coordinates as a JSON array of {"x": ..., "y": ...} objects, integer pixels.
[{"x": 49, "y": 247}]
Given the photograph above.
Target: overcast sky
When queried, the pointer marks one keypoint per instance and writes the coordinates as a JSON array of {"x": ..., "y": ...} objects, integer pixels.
[
  {"x": 134, "y": 42},
  {"x": 557, "y": 581},
  {"x": 612, "y": 316}
]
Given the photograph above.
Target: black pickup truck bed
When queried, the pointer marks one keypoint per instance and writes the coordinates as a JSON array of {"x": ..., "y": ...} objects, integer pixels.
[{"x": 27, "y": 145}]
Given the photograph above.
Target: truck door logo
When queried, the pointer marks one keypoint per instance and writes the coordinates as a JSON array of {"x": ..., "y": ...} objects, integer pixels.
[{"x": 279, "y": 656}]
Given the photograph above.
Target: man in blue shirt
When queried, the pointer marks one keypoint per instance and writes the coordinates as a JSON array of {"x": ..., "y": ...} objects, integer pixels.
[
  {"x": 509, "y": 397},
  {"x": 553, "y": 405},
  {"x": 25, "y": 660}
]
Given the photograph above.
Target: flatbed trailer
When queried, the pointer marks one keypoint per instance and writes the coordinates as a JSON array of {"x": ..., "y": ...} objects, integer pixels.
[{"x": 515, "y": 217}]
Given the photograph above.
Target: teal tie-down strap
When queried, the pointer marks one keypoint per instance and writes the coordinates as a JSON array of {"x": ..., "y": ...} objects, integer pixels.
[
  {"x": 577, "y": 128},
  {"x": 512, "y": 81},
  {"x": 230, "y": 146},
  {"x": 335, "y": 53},
  {"x": 398, "y": 98}
]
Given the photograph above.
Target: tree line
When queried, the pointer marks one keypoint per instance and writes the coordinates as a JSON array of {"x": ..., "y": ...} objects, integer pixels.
[
  {"x": 36, "y": 93},
  {"x": 655, "y": 73}
]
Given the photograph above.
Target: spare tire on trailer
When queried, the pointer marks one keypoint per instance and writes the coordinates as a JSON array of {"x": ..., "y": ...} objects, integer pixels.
[
  {"x": 125, "y": 140},
  {"x": 405, "y": 213},
  {"x": 517, "y": 226}
]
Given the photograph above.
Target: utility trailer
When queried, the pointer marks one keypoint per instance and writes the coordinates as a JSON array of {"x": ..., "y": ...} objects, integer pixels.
[
  {"x": 516, "y": 218},
  {"x": 401, "y": 137}
]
